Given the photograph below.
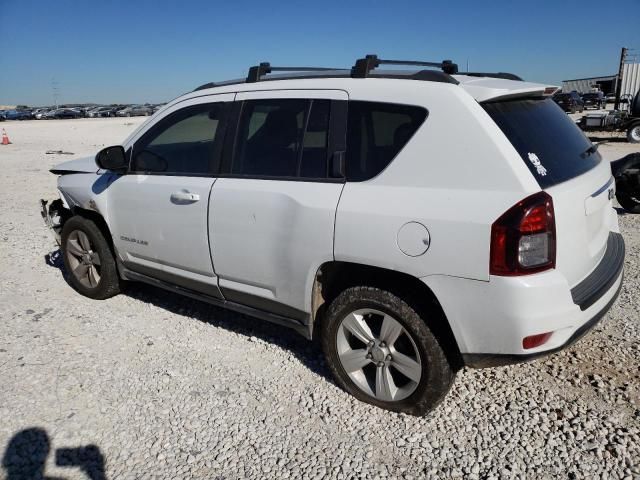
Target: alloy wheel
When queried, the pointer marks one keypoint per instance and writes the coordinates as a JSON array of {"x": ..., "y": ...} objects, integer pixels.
[
  {"x": 378, "y": 354},
  {"x": 84, "y": 261}
]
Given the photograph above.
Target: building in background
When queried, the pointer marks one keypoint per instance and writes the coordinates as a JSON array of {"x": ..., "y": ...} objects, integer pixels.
[
  {"x": 629, "y": 73},
  {"x": 606, "y": 84}
]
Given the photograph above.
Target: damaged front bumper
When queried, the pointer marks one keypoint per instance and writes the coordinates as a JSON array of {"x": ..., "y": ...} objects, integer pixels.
[{"x": 52, "y": 215}]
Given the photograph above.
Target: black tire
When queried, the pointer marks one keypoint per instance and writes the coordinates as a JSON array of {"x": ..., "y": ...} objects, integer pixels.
[
  {"x": 108, "y": 284},
  {"x": 437, "y": 374},
  {"x": 633, "y": 133}
]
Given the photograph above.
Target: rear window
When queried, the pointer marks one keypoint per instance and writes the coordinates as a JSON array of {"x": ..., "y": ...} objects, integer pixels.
[{"x": 550, "y": 143}]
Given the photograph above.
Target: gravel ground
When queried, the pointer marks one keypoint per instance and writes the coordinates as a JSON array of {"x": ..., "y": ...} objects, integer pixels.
[{"x": 152, "y": 385}]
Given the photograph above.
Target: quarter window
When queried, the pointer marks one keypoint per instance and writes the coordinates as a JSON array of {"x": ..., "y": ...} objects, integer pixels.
[
  {"x": 184, "y": 143},
  {"x": 376, "y": 132},
  {"x": 282, "y": 138}
]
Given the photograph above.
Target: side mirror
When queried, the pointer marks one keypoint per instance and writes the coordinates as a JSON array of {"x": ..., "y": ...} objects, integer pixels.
[{"x": 112, "y": 158}]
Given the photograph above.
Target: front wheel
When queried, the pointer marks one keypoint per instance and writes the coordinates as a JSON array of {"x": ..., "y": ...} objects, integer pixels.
[
  {"x": 382, "y": 352},
  {"x": 88, "y": 259}
]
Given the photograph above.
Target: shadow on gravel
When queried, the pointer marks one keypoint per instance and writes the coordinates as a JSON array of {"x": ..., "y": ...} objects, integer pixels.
[
  {"x": 309, "y": 353},
  {"x": 28, "y": 450}
]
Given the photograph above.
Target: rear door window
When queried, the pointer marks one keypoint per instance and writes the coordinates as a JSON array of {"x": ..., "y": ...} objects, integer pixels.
[
  {"x": 550, "y": 143},
  {"x": 376, "y": 132},
  {"x": 283, "y": 138}
]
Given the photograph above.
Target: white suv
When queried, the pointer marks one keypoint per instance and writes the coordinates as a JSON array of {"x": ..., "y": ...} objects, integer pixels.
[{"x": 414, "y": 221}]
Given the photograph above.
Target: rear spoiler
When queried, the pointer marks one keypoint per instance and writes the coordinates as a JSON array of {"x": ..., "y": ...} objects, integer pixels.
[{"x": 491, "y": 89}]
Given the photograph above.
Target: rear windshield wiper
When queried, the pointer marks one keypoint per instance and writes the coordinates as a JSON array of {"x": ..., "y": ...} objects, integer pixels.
[{"x": 591, "y": 150}]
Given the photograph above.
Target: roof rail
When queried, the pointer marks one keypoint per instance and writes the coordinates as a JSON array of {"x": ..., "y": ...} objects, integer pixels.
[
  {"x": 504, "y": 75},
  {"x": 365, "y": 65},
  {"x": 362, "y": 68},
  {"x": 206, "y": 85},
  {"x": 256, "y": 72}
]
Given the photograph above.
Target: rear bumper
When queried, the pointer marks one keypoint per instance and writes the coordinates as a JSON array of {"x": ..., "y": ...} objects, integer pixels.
[
  {"x": 483, "y": 360},
  {"x": 490, "y": 319}
]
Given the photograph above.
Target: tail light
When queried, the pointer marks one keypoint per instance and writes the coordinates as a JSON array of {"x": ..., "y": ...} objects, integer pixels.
[{"x": 523, "y": 239}]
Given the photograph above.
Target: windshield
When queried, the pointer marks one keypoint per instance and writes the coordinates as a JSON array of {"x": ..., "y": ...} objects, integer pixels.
[{"x": 550, "y": 143}]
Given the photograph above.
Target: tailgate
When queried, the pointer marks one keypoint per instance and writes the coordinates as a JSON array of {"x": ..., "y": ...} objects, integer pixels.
[{"x": 584, "y": 218}]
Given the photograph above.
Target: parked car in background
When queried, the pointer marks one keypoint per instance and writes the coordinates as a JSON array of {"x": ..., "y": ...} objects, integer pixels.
[
  {"x": 569, "y": 102},
  {"x": 158, "y": 107},
  {"x": 39, "y": 112},
  {"x": 18, "y": 115},
  {"x": 2, "y": 119},
  {"x": 594, "y": 99},
  {"x": 86, "y": 109},
  {"x": 49, "y": 114},
  {"x": 611, "y": 97},
  {"x": 61, "y": 113},
  {"x": 136, "y": 110},
  {"x": 102, "y": 112}
]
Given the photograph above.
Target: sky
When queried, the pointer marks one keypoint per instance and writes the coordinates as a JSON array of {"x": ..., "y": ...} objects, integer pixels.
[{"x": 138, "y": 51}]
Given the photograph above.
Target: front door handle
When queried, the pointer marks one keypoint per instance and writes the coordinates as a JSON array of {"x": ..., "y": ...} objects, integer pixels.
[{"x": 184, "y": 197}]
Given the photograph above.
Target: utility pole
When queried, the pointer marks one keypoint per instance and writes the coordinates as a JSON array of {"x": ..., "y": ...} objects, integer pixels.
[
  {"x": 55, "y": 91},
  {"x": 623, "y": 57}
]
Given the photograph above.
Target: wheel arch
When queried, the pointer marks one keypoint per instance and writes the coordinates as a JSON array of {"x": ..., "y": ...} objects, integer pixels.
[
  {"x": 334, "y": 277},
  {"x": 100, "y": 222}
]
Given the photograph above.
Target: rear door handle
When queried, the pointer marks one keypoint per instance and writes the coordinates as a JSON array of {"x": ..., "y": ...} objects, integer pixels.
[{"x": 184, "y": 197}]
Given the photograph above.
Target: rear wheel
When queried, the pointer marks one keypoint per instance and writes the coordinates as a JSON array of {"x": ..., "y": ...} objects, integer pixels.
[
  {"x": 382, "y": 352},
  {"x": 633, "y": 134},
  {"x": 88, "y": 259}
]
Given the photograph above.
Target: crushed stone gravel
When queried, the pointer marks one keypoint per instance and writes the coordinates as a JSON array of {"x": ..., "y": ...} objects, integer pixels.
[{"x": 152, "y": 385}]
